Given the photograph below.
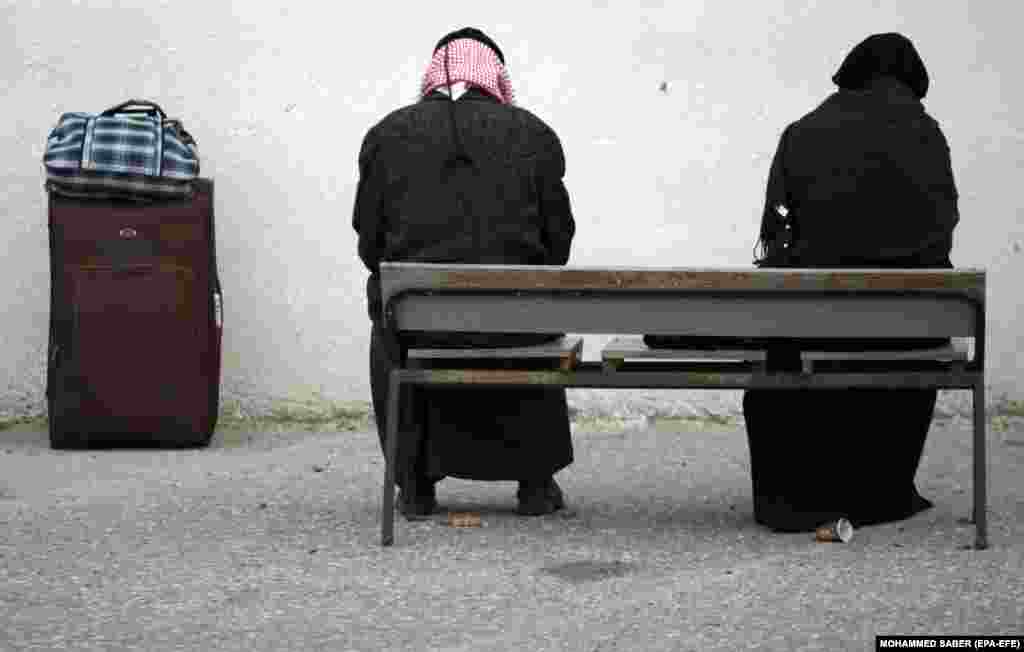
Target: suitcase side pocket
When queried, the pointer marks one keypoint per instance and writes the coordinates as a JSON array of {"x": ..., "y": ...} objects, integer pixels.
[{"x": 135, "y": 343}]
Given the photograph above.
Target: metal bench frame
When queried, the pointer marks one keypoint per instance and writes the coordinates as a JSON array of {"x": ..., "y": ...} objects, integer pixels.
[{"x": 444, "y": 294}]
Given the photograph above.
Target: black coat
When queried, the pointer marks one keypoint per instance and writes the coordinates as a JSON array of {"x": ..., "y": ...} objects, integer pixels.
[
  {"x": 867, "y": 181},
  {"x": 509, "y": 207},
  {"x": 512, "y": 208}
]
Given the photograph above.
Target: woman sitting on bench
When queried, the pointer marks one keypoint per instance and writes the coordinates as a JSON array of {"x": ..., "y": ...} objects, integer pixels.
[{"x": 864, "y": 180}]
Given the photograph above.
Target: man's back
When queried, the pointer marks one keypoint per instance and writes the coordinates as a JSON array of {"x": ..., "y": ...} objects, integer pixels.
[{"x": 508, "y": 205}]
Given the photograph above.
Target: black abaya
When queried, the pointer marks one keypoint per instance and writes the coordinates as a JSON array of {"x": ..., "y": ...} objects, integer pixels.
[
  {"x": 475, "y": 433},
  {"x": 509, "y": 206},
  {"x": 867, "y": 181}
]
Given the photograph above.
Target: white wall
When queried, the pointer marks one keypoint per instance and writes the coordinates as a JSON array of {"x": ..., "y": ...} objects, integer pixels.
[{"x": 279, "y": 95}]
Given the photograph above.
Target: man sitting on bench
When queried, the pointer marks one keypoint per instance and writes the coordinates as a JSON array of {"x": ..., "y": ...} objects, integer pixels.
[{"x": 478, "y": 181}]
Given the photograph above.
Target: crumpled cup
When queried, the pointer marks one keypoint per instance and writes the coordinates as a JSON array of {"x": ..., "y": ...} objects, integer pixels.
[{"x": 836, "y": 531}]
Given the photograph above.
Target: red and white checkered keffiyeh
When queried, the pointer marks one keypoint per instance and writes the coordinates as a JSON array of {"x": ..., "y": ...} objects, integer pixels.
[{"x": 472, "y": 62}]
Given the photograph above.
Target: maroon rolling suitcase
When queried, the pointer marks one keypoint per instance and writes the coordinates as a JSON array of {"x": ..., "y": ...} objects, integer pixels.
[{"x": 135, "y": 322}]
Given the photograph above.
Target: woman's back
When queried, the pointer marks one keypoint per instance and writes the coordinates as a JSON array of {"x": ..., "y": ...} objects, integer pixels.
[{"x": 867, "y": 177}]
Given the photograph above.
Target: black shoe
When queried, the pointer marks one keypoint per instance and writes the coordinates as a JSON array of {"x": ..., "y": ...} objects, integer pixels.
[
  {"x": 537, "y": 498},
  {"x": 420, "y": 503}
]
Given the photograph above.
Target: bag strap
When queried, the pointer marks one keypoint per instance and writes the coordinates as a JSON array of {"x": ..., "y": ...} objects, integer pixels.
[
  {"x": 149, "y": 108},
  {"x": 136, "y": 106},
  {"x": 86, "y": 161},
  {"x": 159, "y": 147},
  {"x": 180, "y": 132}
]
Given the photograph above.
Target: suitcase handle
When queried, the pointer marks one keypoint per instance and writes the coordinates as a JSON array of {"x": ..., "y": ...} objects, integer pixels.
[{"x": 141, "y": 106}]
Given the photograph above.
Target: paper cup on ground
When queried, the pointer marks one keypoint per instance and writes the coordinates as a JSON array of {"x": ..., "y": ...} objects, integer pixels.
[
  {"x": 841, "y": 530},
  {"x": 463, "y": 519}
]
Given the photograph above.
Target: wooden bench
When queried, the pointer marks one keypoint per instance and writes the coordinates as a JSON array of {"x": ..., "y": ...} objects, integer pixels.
[{"x": 704, "y": 303}]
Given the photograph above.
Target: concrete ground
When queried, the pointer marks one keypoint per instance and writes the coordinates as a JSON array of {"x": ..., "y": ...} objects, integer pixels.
[{"x": 268, "y": 540}]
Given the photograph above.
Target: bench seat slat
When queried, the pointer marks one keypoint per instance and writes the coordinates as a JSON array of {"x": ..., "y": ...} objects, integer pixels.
[
  {"x": 624, "y": 348},
  {"x": 953, "y": 352},
  {"x": 633, "y": 348},
  {"x": 567, "y": 351}
]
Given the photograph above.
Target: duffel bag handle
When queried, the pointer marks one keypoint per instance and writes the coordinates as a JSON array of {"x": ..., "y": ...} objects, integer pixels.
[{"x": 146, "y": 106}]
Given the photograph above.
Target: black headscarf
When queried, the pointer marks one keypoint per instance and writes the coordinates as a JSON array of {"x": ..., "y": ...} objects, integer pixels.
[
  {"x": 459, "y": 155},
  {"x": 883, "y": 55}
]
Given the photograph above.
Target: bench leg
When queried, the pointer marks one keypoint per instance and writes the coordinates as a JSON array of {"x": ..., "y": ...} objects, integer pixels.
[
  {"x": 387, "y": 516},
  {"x": 980, "y": 482}
]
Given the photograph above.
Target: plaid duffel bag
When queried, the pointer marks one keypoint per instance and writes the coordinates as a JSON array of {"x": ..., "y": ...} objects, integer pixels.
[{"x": 130, "y": 151}]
